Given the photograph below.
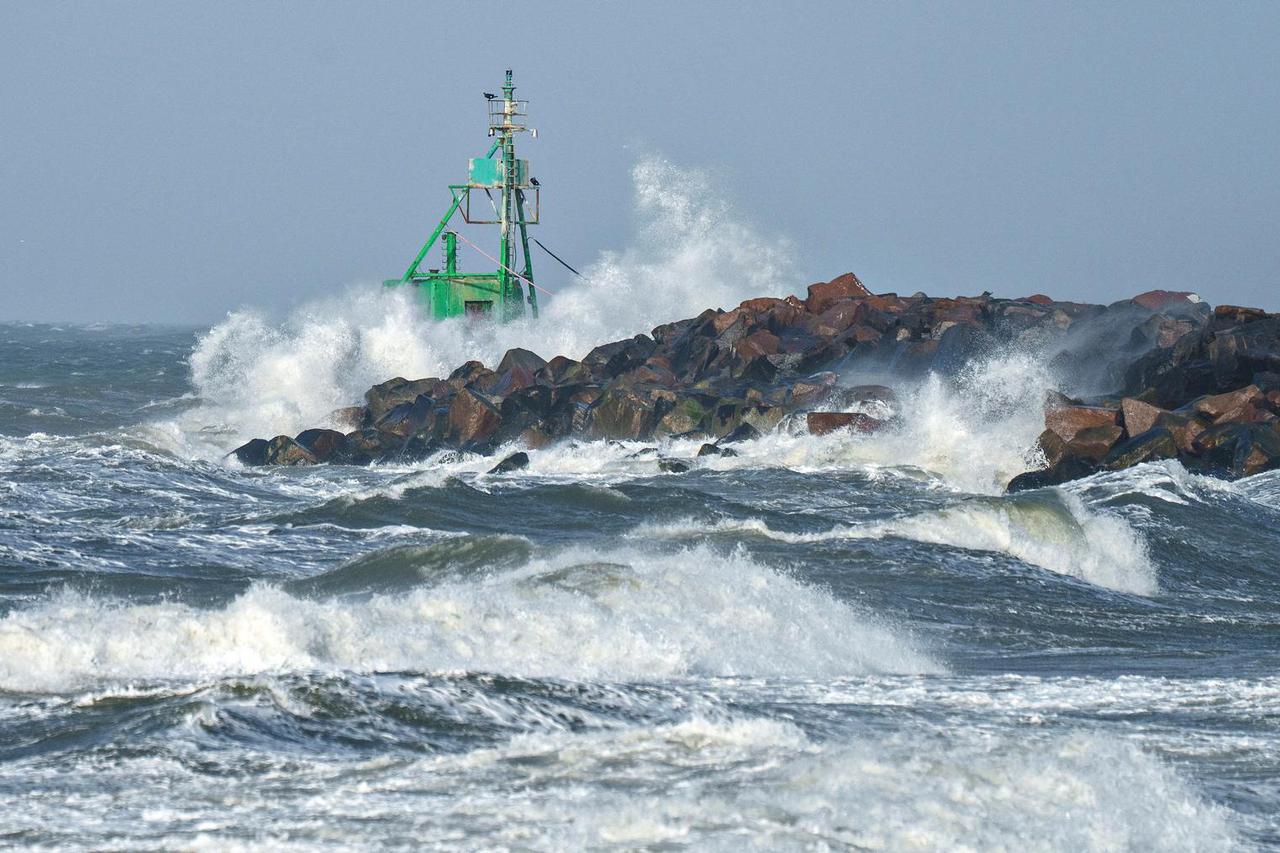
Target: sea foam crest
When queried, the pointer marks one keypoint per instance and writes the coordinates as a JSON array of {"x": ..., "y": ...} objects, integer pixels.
[
  {"x": 1053, "y": 530},
  {"x": 626, "y": 615},
  {"x": 904, "y": 791}
]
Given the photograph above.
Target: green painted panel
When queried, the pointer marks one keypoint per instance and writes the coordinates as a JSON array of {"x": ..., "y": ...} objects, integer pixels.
[{"x": 485, "y": 172}]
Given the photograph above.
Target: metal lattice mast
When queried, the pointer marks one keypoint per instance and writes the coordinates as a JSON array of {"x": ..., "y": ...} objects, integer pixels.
[
  {"x": 508, "y": 188},
  {"x": 501, "y": 293}
]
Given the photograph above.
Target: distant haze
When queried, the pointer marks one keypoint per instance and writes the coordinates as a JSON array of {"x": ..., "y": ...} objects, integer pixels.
[{"x": 173, "y": 161}]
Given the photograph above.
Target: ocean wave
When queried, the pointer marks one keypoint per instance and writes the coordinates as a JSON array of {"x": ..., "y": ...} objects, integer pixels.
[
  {"x": 902, "y": 791},
  {"x": 626, "y": 615},
  {"x": 1054, "y": 531}
]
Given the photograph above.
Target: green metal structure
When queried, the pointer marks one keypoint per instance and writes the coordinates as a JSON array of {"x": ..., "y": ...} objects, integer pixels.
[{"x": 513, "y": 202}]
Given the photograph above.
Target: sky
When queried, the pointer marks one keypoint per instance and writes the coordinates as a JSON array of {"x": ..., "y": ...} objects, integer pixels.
[{"x": 173, "y": 161}]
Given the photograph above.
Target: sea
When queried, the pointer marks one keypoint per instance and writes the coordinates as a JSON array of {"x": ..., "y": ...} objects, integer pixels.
[{"x": 843, "y": 642}]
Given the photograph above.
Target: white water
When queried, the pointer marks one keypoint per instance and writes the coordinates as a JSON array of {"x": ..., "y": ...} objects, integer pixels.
[
  {"x": 900, "y": 792},
  {"x": 626, "y": 615},
  {"x": 1058, "y": 533},
  {"x": 256, "y": 376},
  {"x": 721, "y": 783}
]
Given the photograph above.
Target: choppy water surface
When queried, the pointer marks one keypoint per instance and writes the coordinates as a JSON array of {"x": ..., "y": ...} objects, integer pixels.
[{"x": 820, "y": 644}]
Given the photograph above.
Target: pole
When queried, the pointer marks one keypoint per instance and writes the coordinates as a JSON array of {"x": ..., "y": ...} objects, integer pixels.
[
  {"x": 508, "y": 177},
  {"x": 528, "y": 259}
]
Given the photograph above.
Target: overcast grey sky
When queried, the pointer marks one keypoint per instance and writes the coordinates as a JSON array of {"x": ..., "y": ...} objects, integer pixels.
[{"x": 173, "y": 161}]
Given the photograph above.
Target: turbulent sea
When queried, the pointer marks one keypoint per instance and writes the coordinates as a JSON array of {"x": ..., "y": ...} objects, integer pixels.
[
  {"x": 835, "y": 643},
  {"x": 822, "y": 643}
]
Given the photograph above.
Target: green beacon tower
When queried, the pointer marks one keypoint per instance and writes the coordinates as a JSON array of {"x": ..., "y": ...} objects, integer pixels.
[{"x": 511, "y": 200}]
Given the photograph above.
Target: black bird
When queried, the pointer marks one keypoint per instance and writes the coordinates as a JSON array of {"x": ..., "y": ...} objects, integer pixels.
[
  {"x": 534, "y": 181},
  {"x": 489, "y": 96}
]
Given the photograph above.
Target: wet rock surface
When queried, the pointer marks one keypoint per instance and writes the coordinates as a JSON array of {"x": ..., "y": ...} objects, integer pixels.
[
  {"x": 1180, "y": 381},
  {"x": 1210, "y": 399}
]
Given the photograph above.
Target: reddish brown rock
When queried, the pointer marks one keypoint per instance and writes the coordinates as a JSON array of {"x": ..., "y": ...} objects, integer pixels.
[
  {"x": 1161, "y": 300},
  {"x": 473, "y": 418},
  {"x": 1184, "y": 428},
  {"x": 722, "y": 322},
  {"x": 1239, "y": 449},
  {"x": 757, "y": 343},
  {"x": 1139, "y": 416},
  {"x": 762, "y": 304},
  {"x": 1052, "y": 446},
  {"x": 839, "y": 317},
  {"x": 1236, "y": 315},
  {"x": 1231, "y": 406},
  {"x": 807, "y": 392},
  {"x": 822, "y": 423},
  {"x": 1095, "y": 442},
  {"x": 823, "y": 296},
  {"x": 385, "y": 396},
  {"x": 1068, "y": 421},
  {"x": 323, "y": 444},
  {"x": 469, "y": 373}
]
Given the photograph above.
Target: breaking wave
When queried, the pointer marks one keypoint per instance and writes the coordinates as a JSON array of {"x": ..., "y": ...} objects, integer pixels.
[
  {"x": 1053, "y": 531},
  {"x": 581, "y": 615},
  {"x": 255, "y": 376},
  {"x": 897, "y": 792}
]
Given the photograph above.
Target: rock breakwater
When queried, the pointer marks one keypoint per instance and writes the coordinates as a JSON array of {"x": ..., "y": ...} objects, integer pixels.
[{"x": 1172, "y": 379}]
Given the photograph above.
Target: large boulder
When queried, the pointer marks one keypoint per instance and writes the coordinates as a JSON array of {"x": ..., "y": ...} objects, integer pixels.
[
  {"x": 252, "y": 452},
  {"x": 690, "y": 412},
  {"x": 1138, "y": 415},
  {"x": 614, "y": 359},
  {"x": 562, "y": 371},
  {"x": 369, "y": 445},
  {"x": 515, "y": 462},
  {"x": 470, "y": 373},
  {"x": 283, "y": 450},
  {"x": 385, "y": 396},
  {"x": 324, "y": 444},
  {"x": 1238, "y": 450},
  {"x": 823, "y": 296},
  {"x": 628, "y": 411},
  {"x": 522, "y": 358},
  {"x": 1093, "y": 443},
  {"x": 473, "y": 419},
  {"x": 1070, "y": 468},
  {"x": 1148, "y": 446},
  {"x": 1163, "y": 300},
  {"x": 1067, "y": 421},
  {"x": 823, "y": 423},
  {"x": 1235, "y": 405}
]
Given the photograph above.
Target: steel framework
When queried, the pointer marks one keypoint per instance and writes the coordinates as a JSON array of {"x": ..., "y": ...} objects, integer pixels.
[{"x": 507, "y": 293}]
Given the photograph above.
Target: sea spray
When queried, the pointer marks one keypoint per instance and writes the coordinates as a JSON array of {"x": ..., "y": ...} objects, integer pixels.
[{"x": 257, "y": 377}]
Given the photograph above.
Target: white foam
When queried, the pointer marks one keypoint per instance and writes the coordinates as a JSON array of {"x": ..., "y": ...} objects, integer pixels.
[
  {"x": 258, "y": 377},
  {"x": 767, "y": 782},
  {"x": 618, "y": 616},
  {"x": 1055, "y": 532},
  {"x": 719, "y": 783},
  {"x": 972, "y": 434},
  {"x": 1064, "y": 537}
]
